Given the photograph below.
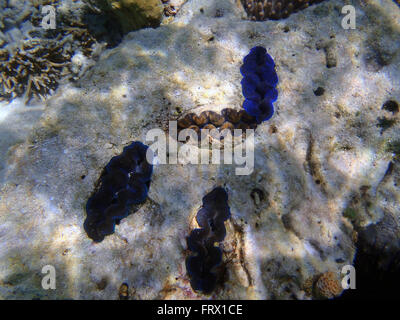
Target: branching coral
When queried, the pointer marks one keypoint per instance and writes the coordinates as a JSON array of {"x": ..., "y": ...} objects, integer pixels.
[
  {"x": 274, "y": 9},
  {"x": 210, "y": 218},
  {"x": 125, "y": 181},
  {"x": 33, "y": 69},
  {"x": 33, "y": 59}
]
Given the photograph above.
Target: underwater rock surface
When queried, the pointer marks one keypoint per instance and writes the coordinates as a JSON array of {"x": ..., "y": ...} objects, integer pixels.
[{"x": 321, "y": 163}]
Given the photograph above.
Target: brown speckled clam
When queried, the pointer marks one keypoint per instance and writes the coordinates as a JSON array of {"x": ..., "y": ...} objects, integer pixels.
[{"x": 228, "y": 118}]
